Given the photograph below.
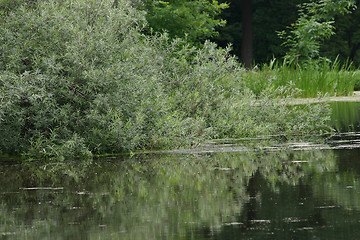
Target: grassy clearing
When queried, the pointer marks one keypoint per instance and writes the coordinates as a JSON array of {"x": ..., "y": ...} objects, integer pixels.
[{"x": 312, "y": 79}]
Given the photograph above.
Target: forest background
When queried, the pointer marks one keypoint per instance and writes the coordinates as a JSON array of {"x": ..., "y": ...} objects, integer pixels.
[
  {"x": 86, "y": 77},
  {"x": 254, "y": 25},
  {"x": 272, "y": 17}
]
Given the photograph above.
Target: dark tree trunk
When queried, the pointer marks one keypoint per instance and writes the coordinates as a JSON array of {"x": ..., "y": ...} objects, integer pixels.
[{"x": 247, "y": 30}]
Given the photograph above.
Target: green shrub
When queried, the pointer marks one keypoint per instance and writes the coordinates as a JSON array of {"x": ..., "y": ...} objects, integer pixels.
[{"x": 79, "y": 78}]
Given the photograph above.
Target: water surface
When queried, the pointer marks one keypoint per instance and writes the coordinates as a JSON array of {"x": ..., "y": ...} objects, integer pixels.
[{"x": 293, "y": 191}]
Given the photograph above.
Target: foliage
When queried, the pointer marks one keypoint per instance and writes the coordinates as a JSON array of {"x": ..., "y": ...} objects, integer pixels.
[
  {"x": 347, "y": 35},
  {"x": 270, "y": 17},
  {"x": 312, "y": 79},
  {"x": 77, "y": 80},
  {"x": 315, "y": 23},
  {"x": 195, "y": 20}
]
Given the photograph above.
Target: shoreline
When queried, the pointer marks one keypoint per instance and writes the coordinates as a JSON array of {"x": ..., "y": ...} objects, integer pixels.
[{"x": 354, "y": 98}]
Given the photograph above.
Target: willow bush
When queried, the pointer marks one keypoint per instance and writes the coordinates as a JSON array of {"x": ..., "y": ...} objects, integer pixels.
[{"x": 82, "y": 77}]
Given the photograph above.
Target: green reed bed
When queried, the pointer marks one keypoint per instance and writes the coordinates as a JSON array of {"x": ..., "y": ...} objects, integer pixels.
[
  {"x": 312, "y": 79},
  {"x": 357, "y": 80}
]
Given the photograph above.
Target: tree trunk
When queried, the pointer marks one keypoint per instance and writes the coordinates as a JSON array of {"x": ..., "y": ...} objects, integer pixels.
[{"x": 247, "y": 30}]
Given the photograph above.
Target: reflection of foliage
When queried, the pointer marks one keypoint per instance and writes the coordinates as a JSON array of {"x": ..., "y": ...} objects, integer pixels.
[
  {"x": 289, "y": 167},
  {"x": 147, "y": 197},
  {"x": 342, "y": 189},
  {"x": 346, "y": 116}
]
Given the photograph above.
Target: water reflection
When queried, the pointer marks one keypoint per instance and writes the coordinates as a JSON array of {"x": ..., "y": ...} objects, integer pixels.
[
  {"x": 166, "y": 196},
  {"x": 281, "y": 191},
  {"x": 346, "y": 116}
]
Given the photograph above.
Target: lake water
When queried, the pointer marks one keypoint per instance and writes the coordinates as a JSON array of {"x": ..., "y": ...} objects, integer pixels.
[{"x": 294, "y": 191}]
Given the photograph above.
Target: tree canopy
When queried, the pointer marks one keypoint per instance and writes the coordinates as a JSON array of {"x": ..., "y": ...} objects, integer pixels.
[
  {"x": 314, "y": 25},
  {"x": 295, "y": 17},
  {"x": 195, "y": 20}
]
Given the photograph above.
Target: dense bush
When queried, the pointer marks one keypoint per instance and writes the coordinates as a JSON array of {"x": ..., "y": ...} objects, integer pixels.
[{"x": 79, "y": 78}]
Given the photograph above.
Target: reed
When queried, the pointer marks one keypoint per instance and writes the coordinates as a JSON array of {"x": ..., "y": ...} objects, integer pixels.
[{"x": 313, "y": 78}]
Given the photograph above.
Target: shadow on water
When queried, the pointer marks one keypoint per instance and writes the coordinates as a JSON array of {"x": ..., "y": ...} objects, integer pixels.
[{"x": 297, "y": 191}]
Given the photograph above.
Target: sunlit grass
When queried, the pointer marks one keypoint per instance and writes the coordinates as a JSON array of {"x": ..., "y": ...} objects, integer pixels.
[{"x": 312, "y": 79}]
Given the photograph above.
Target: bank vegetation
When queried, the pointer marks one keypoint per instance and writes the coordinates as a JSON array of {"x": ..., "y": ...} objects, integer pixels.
[{"x": 86, "y": 77}]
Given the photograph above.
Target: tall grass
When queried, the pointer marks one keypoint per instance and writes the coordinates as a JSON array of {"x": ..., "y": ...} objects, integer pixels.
[
  {"x": 357, "y": 80},
  {"x": 313, "y": 79}
]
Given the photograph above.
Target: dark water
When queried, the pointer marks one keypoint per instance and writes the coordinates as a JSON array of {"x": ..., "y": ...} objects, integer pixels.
[{"x": 275, "y": 193}]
